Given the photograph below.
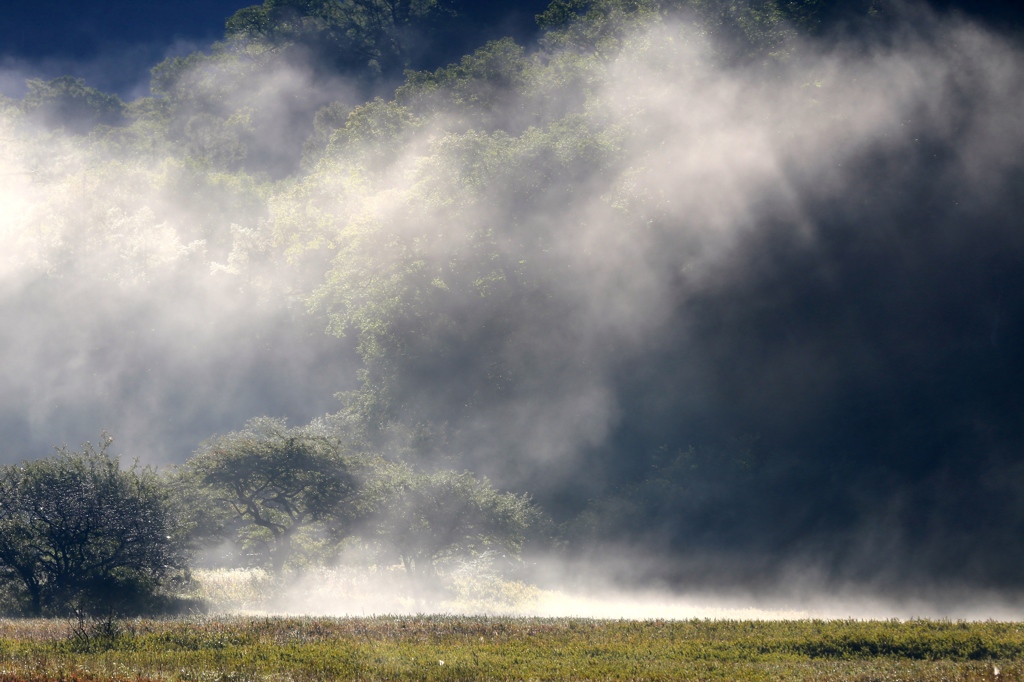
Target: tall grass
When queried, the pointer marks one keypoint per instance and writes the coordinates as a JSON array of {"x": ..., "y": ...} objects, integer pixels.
[{"x": 478, "y": 648}]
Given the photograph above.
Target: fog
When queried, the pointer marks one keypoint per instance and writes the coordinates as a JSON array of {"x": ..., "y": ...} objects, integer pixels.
[
  {"x": 125, "y": 310},
  {"x": 797, "y": 274},
  {"x": 556, "y": 589}
]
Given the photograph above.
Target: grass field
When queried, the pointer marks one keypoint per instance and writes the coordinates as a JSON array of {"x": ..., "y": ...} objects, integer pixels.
[{"x": 489, "y": 648}]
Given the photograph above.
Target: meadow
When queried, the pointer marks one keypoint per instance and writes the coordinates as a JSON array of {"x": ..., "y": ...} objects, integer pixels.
[{"x": 502, "y": 648}]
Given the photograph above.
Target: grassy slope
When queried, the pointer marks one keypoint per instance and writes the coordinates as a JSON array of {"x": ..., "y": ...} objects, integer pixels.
[{"x": 407, "y": 648}]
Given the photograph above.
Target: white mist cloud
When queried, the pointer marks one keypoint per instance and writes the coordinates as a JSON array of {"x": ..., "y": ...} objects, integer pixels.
[
  {"x": 556, "y": 588},
  {"x": 122, "y": 306}
]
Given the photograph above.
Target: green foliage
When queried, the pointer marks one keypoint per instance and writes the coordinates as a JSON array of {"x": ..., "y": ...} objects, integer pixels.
[
  {"x": 246, "y": 105},
  {"x": 481, "y": 91},
  {"x": 67, "y": 102},
  {"x": 594, "y": 25},
  {"x": 373, "y": 134},
  {"x": 79, "y": 535},
  {"x": 429, "y": 519},
  {"x": 326, "y": 120},
  {"x": 754, "y": 29},
  {"x": 367, "y": 37},
  {"x": 742, "y": 29},
  {"x": 266, "y": 483},
  {"x": 208, "y": 104}
]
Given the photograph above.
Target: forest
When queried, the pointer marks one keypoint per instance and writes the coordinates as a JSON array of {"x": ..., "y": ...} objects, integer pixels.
[{"x": 736, "y": 287}]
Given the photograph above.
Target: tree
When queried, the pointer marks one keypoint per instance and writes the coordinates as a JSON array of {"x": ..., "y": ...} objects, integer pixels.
[
  {"x": 268, "y": 482},
  {"x": 80, "y": 535},
  {"x": 372, "y": 36},
  {"x": 68, "y": 102},
  {"x": 426, "y": 519}
]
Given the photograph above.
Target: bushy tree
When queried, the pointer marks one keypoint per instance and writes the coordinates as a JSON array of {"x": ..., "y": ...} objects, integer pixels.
[
  {"x": 428, "y": 519},
  {"x": 80, "y": 535},
  {"x": 265, "y": 484}
]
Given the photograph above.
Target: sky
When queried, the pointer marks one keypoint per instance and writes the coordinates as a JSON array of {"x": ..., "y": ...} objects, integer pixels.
[
  {"x": 81, "y": 30},
  {"x": 111, "y": 44}
]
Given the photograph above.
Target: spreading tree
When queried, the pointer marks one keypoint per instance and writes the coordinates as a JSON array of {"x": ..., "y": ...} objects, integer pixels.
[{"x": 267, "y": 483}]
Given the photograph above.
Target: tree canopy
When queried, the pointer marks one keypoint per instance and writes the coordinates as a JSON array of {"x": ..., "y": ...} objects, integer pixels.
[
  {"x": 67, "y": 102},
  {"x": 267, "y": 483},
  {"x": 430, "y": 519},
  {"x": 80, "y": 535},
  {"x": 371, "y": 37}
]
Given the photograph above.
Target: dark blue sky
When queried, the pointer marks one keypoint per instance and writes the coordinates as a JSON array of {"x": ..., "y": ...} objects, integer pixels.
[
  {"x": 110, "y": 43},
  {"x": 81, "y": 30}
]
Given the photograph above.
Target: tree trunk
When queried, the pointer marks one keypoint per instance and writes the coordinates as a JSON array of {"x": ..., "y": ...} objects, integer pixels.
[
  {"x": 282, "y": 548},
  {"x": 411, "y": 570},
  {"x": 35, "y": 601}
]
